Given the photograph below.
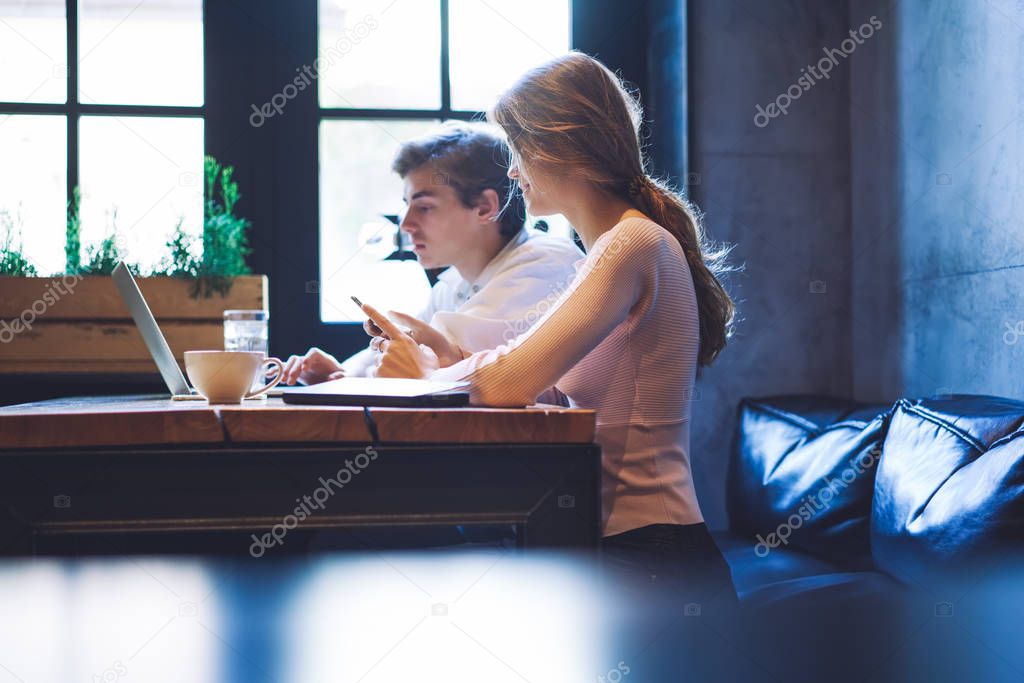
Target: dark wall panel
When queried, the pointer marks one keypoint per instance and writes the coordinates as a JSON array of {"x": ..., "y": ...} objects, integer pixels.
[{"x": 780, "y": 193}]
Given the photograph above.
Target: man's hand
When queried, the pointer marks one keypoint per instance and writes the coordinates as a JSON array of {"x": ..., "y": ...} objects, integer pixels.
[
  {"x": 314, "y": 367},
  {"x": 399, "y": 354}
]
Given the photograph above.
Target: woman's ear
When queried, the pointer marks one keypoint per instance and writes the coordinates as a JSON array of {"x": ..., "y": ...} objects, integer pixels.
[{"x": 488, "y": 206}]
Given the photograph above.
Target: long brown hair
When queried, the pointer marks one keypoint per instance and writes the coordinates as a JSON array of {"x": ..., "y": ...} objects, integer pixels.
[{"x": 573, "y": 114}]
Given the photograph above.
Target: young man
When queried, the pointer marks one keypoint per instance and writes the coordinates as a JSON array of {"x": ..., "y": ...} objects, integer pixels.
[{"x": 462, "y": 212}]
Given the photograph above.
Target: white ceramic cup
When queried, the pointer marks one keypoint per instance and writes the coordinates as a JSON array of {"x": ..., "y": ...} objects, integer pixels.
[{"x": 227, "y": 376}]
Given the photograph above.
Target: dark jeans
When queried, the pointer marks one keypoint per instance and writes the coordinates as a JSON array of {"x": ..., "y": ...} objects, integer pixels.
[{"x": 671, "y": 561}]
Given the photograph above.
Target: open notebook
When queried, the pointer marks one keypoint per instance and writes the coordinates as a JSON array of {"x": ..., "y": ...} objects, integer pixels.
[{"x": 380, "y": 391}]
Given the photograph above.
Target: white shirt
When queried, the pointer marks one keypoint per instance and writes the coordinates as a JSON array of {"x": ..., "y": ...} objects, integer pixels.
[{"x": 512, "y": 292}]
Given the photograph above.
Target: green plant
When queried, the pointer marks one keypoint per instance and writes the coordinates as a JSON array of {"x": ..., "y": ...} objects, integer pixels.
[
  {"x": 225, "y": 242},
  {"x": 102, "y": 258},
  {"x": 225, "y": 238},
  {"x": 12, "y": 261},
  {"x": 182, "y": 263},
  {"x": 73, "y": 235}
]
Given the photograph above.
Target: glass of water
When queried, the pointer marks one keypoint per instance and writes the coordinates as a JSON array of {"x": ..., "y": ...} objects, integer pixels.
[{"x": 247, "y": 331}]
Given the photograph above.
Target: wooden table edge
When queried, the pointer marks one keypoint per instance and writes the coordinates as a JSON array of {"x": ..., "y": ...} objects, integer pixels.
[{"x": 182, "y": 424}]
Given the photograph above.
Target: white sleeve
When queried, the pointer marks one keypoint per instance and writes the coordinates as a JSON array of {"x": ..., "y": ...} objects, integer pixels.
[{"x": 359, "y": 363}]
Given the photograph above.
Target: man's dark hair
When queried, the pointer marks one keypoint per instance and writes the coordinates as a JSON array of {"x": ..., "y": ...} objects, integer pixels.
[{"x": 469, "y": 158}]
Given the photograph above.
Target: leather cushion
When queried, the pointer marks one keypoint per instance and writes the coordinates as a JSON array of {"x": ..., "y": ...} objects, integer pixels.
[
  {"x": 950, "y": 486},
  {"x": 785, "y": 574},
  {"x": 802, "y": 475}
]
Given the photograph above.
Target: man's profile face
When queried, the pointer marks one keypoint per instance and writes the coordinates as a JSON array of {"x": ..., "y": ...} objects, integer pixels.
[{"x": 439, "y": 225}]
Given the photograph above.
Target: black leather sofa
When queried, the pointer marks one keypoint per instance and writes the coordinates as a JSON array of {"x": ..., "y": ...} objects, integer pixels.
[{"x": 832, "y": 499}]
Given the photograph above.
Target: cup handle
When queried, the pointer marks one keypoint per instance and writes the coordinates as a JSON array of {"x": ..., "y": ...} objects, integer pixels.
[{"x": 277, "y": 378}]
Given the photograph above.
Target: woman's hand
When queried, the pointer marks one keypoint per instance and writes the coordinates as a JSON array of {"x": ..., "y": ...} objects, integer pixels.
[
  {"x": 399, "y": 354},
  {"x": 422, "y": 333},
  {"x": 314, "y": 367}
]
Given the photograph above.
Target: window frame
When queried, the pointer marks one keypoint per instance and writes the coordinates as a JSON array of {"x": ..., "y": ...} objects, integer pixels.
[
  {"x": 73, "y": 109},
  {"x": 442, "y": 113},
  {"x": 250, "y": 49}
]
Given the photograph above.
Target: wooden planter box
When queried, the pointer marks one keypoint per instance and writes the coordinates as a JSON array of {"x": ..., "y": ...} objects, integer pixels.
[{"x": 84, "y": 327}]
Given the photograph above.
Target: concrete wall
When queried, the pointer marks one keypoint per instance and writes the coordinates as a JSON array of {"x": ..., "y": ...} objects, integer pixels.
[
  {"x": 898, "y": 183},
  {"x": 938, "y": 196},
  {"x": 780, "y": 193}
]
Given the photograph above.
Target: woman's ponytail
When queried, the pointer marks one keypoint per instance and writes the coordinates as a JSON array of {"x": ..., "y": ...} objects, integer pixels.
[{"x": 707, "y": 262}]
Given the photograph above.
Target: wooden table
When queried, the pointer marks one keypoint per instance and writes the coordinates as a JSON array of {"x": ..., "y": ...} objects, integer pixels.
[{"x": 147, "y": 474}]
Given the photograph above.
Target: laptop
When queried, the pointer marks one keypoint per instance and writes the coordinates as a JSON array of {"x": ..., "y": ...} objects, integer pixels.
[
  {"x": 350, "y": 391},
  {"x": 154, "y": 338},
  {"x": 381, "y": 391},
  {"x": 151, "y": 334}
]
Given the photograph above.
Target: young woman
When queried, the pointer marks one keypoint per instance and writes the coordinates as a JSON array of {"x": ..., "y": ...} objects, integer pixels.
[{"x": 626, "y": 336}]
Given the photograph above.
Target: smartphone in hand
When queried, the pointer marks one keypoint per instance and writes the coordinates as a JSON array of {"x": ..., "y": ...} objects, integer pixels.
[{"x": 371, "y": 327}]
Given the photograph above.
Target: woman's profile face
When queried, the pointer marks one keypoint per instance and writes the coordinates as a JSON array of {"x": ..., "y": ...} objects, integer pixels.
[{"x": 540, "y": 189}]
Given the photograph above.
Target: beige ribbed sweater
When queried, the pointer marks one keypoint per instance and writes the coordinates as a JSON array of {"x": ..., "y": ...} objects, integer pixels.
[{"x": 622, "y": 340}]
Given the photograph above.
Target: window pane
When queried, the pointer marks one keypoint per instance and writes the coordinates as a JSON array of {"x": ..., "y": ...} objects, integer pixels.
[
  {"x": 141, "y": 52},
  {"x": 141, "y": 175},
  {"x": 356, "y": 188},
  {"x": 380, "y": 54},
  {"x": 493, "y": 44},
  {"x": 33, "y": 51},
  {"x": 33, "y": 187},
  {"x": 556, "y": 225}
]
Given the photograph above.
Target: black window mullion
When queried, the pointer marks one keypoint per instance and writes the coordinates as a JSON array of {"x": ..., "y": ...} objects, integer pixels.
[
  {"x": 446, "y": 82},
  {"x": 156, "y": 110},
  {"x": 408, "y": 114},
  {"x": 72, "y": 111}
]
